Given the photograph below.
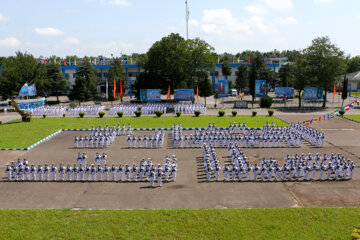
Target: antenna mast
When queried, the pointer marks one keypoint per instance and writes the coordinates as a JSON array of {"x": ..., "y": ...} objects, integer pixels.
[{"x": 187, "y": 20}]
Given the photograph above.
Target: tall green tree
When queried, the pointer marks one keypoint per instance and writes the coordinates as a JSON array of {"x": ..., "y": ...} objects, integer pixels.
[
  {"x": 85, "y": 85},
  {"x": 256, "y": 67},
  {"x": 353, "y": 64},
  {"x": 116, "y": 72},
  {"x": 325, "y": 61},
  {"x": 56, "y": 80},
  {"x": 242, "y": 77},
  {"x": 225, "y": 69},
  {"x": 18, "y": 70},
  {"x": 284, "y": 75},
  {"x": 268, "y": 75},
  {"x": 299, "y": 75},
  {"x": 205, "y": 89}
]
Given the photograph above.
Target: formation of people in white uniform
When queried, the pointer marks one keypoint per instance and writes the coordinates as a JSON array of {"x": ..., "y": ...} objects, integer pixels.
[
  {"x": 88, "y": 110},
  {"x": 147, "y": 141},
  {"x": 145, "y": 170},
  {"x": 48, "y": 110},
  {"x": 99, "y": 138},
  {"x": 295, "y": 168},
  {"x": 150, "y": 108},
  {"x": 125, "y": 108},
  {"x": 189, "y": 108}
]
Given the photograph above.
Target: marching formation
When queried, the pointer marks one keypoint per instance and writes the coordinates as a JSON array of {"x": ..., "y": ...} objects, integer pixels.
[
  {"x": 189, "y": 108},
  {"x": 99, "y": 138},
  {"x": 49, "y": 111},
  {"x": 150, "y": 108},
  {"x": 151, "y": 141},
  {"x": 88, "y": 110},
  {"x": 295, "y": 168},
  {"x": 126, "y": 108},
  {"x": 145, "y": 170}
]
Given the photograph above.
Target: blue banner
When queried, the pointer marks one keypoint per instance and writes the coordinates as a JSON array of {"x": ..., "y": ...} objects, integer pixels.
[
  {"x": 313, "y": 93},
  {"x": 284, "y": 92},
  {"x": 32, "y": 90},
  {"x": 184, "y": 94},
  {"x": 223, "y": 88},
  {"x": 150, "y": 95},
  {"x": 24, "y": 91},
  {"x": 260, "y": 88}
]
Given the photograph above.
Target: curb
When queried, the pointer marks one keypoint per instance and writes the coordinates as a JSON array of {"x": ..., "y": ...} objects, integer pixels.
[{"x": 350, "y": 119}]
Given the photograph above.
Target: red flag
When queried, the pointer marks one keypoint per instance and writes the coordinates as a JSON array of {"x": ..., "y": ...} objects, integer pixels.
[
  {"x": 168, "y": 94},
  {"x": 121, "y": 90},
  {"x": 248, "y": 60},
  {"x": 64, "y": 62},
  {"x": 44, "y": 60},
  {"x": 339, "y": 89},
  {"x": 197, "y": 92},
  {"x": 114, "y": 89},
  {"x": 334, "y": 89}
]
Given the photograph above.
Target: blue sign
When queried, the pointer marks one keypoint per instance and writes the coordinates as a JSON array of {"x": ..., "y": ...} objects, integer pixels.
[
  {"x": 313, "y": 93},
  {"x": 260, "y": 88},
  {"x": 32, "y": 90},
  {"x": 184, "y": 94},
  {"x": 284, "y": 92},
  {"x": 223, "y": 88},
  {"x": 150, "y": 95},
  {"x": 24, "y": 91}
]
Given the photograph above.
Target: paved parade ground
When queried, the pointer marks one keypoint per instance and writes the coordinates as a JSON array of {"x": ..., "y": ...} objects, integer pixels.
[{"x": 190, "y": 190}]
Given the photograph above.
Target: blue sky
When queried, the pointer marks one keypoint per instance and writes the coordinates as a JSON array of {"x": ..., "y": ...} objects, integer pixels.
[{"x": 102, "y": 27}]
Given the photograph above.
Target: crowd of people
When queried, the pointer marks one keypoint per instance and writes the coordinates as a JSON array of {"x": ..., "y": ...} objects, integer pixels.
[
  {"x": 189, "y": 108},
  {"x": 295, "y": 168},
  {"x": 125, "y": 108},
  {"x": 49, "y": 111},
  {"x": 99, "y": 138},
  {"x": 237, "y": 133},
  {"x": 145, "y": 170},
  {"x": 150, "y": 108},
  {"x": 88, "y": 110},
  {"x": 147, "y": 141}
]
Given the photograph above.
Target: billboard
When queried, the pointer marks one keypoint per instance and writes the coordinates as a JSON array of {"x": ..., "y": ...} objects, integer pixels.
[
  {"x": 223, "y": 88},
  {"x": 313, "y": 93},
  {"x": 184, "y": 94},
  {"x": 284, "y": 92},
  {"x": 150, "y": 95},
  {"x": 260, "y": 88}
]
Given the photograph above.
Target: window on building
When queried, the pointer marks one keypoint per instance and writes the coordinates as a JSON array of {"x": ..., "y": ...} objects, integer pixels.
[
  {"x": 132, "y": 74},
  {"x": 67, "y": 76},
  {"x": 74, "y": 75}
]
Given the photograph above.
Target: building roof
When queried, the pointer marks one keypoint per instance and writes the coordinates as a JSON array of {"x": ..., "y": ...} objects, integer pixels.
[{"x": 354, "y": 76}]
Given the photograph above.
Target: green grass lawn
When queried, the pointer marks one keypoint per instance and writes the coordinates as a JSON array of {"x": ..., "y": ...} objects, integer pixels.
[
  {"x": 354, "y": 117},
  {"x": 16, "y": 134},
  {"x": 283, "y": 223}
]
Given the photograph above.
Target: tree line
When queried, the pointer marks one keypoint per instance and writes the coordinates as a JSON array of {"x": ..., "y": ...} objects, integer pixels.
[{"x": 179, "y": 63}]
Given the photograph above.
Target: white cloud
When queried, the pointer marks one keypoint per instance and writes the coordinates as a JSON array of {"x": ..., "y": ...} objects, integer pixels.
[
  {"x": 3, "y": 18},
  {"x": 120, "y": 2},
  {"x": 288, "y": 20},
  {"x": 71, "y": 40},
  {"x": 323, "y": 2},
  {"x": 49, "y": 31},
  {"x": 279, "y": 4},
  {"x": 358, "y": 17},
  {"x": 10, "y": 42},
  {"x": 256, "y": 9},
  {"x": 193, "y": 22}
]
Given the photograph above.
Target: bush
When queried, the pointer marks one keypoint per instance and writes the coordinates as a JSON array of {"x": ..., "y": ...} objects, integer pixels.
[
  {"x": 159, "y": 113},
  {"x": 64, "y": 114},
  {"x": 254, "y": 113},
  {"x": 178, "y": 114},
  {"x": 221, "y": 113},
  {"x": 271, "y": 112},
  {"x": 342, "y": 112},
  {"x": 44, "y": 116},
  {"x": 120, "y": 114},
  {"x": 234, "y": 113},
  {"x": 101, "y": 114},
  {"x": 0, "y": 122},
  {"x": 138, "y": 113},
  {"x": 266, "y": 102},
  {"x": 197, "y": 113},
  {"x": 81, "y": 114}
]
